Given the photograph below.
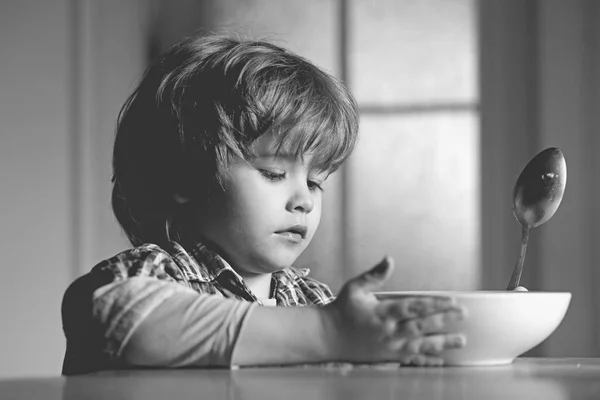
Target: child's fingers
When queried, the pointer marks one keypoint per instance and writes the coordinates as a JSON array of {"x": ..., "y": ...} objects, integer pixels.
[
  {"x": 421, "y": 360},
  {"x": 432, "y": 323},
  {"x": 432, "y": 345},
  {"x": 435, "y": 344},
  {"x": 372, "y": 279},
  {"x": 414, "y": 307}
]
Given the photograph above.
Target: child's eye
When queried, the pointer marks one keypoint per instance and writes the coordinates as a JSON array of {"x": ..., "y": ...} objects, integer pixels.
[
  {"x": 272, "y": 176},
  {"x": 313, "y": 185}
]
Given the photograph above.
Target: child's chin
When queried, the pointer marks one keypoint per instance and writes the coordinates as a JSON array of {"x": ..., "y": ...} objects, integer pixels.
[{"x": 279, "y": 263}]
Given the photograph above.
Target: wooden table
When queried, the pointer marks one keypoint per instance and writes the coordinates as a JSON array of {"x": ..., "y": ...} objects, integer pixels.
[{"x": 527, "y": 378}]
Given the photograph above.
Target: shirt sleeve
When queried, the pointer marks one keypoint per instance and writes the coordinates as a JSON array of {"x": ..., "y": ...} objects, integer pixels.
[
  {"x": 186, "y": 329},
  {"x": 131, "y": 313}
]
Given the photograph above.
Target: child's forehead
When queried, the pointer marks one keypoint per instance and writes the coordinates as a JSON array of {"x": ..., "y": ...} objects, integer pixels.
[{"x": 270, "y": 147}]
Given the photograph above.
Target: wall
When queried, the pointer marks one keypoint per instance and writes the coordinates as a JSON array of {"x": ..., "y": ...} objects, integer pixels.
[
  {"x": 568, "y": 104},
  {"x": 36, "y": 192},
  {"x": 66, "y": 67},
  {"x": 109, "y": 55}
]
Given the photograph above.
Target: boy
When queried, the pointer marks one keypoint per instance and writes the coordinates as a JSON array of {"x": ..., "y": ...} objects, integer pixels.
[{"x": 219, "y": 160}]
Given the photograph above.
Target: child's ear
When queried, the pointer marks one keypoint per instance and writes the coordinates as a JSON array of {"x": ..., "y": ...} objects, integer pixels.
[{"x": 180, "y": 199}]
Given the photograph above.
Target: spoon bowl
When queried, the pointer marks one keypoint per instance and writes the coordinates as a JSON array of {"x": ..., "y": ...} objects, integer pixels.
[
  {"x": 536, "y": 197},
  {"x": 540, "y": 188}
]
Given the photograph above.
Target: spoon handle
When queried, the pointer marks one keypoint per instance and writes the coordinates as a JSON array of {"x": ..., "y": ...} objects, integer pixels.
[{"x": 516, "y": 275}]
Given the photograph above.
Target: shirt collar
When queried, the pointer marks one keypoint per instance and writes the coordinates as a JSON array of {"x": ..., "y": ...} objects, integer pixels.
[
  {"x": 291, "y": 274},
  {"x": 204, "y": 265}
]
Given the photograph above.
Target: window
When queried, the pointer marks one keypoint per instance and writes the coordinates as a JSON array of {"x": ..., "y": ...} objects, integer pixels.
[{"x": 412, "y": 185}]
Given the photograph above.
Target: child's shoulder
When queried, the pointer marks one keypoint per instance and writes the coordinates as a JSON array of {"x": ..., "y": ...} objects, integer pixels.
[{"x": 149, "y": 260}]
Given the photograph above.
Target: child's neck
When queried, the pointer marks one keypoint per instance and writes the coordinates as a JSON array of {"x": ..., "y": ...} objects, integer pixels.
[{"x": 259, "y": 284}]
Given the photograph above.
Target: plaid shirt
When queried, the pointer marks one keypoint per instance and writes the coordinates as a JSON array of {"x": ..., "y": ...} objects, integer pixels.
[
  {"x": 96, "y": 326},
  {"x": 206, "y": 272}
]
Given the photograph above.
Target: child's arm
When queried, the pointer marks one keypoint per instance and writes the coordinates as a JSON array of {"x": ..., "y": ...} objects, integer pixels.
[
  {"x": 104, "y": 310},
  {"x": 355, "y": 327},
  {"x": 194, "y": 330}
]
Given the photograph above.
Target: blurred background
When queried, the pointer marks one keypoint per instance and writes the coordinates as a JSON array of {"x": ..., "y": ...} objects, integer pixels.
[{"x": 455, "y": 97}]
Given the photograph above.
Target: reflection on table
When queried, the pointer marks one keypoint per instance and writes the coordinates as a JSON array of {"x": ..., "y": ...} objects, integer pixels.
[{"x": 549, "y": 379}]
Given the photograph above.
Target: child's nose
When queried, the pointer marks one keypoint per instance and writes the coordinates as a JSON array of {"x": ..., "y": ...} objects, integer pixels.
[{"x": 301, "y": 200}]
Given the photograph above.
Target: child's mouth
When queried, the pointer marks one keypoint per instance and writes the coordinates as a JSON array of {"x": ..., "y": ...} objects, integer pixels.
[
  {"x": 291, "y": 236},
  {"x": 294, "y": 234}
]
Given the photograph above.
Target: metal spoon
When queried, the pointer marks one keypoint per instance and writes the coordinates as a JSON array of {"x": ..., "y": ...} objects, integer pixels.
[{"x": 536, "y": 197}]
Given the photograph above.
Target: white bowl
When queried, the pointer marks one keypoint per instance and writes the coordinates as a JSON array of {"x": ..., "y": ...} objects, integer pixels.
[{"x": 501, "y": 325}]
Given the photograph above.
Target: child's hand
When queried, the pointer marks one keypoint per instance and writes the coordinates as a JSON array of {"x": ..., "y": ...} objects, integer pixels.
[{"x": 408, "y": 330}]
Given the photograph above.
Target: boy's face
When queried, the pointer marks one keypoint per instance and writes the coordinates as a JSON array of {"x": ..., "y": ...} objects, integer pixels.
[{"x": 268, "y": 212}]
